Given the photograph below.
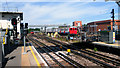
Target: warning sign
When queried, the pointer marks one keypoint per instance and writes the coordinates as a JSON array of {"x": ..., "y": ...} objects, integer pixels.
[
  {"x": 3, "y": 40},
  {"x": 6, "y": 31},
  {"x": 68, "y": 50},
  {"x": 113, "y": 37}
]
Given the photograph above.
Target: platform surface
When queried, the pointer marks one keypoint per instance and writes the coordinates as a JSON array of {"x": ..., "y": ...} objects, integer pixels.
[
  {"x": 114, "y": 45},
  {"x": 31, "y": 59}
]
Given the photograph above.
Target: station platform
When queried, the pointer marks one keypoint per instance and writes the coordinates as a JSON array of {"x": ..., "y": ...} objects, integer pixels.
[
  {"x": 114, "y": 45},
  {"x": 17, "y": 58}
]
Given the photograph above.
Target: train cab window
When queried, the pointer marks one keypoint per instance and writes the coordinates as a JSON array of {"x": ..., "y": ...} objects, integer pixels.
[
  {"x": 62, "y": 29},
  {"x": 66, "y": 29},
  {"x": 75, "y": 28}
]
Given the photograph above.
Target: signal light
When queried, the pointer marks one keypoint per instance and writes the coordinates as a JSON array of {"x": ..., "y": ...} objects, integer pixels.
[
  {"x": 14, "y": 21},
  {"x": 15, "y": 31},
  {"x": 26, "y": 25},
  {"x": 112, "y": 13},
  {"x": 21, "y": 25}
]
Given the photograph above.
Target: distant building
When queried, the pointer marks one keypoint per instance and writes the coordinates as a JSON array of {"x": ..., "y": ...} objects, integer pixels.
[
  {"x": 77, "y": 23},
  {"x": 64, "y": 26},
  {"x": 84, "y": 28},
  {"x": 105, "y": 25}
]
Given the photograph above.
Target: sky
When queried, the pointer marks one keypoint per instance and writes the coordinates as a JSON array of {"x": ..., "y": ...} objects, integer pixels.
[{"x": 55, "y": 12}]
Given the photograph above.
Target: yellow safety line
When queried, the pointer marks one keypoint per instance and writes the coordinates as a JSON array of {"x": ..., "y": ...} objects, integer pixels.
[{"x": 39, "y": 66}]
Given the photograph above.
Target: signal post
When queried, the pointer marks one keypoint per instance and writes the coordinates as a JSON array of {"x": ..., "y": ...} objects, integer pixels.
[{"x": 25, "y": 32}]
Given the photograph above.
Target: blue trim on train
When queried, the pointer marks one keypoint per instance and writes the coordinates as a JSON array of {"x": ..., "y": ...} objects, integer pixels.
[
  {"x": 63, "y": 32},
  {"x": 60, "y": 33}
]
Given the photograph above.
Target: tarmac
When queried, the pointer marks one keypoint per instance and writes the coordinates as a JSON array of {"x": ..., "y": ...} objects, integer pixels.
[{"x": 18, "y": 58}]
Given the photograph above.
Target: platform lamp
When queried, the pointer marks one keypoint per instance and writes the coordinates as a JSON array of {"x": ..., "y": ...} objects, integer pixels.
[{"x": 118, "y": 3}]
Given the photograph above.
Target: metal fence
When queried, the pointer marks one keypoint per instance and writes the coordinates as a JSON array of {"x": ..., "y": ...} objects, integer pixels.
[
  {"x": 106, "y": 36},
  {"x": 0, "y": 50}
]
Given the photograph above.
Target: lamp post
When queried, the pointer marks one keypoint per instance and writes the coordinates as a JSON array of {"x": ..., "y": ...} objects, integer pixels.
[{"x": 118, "y": 3}]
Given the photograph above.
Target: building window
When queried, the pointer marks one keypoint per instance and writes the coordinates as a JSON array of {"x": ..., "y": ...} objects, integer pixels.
[
  {"x": 109, "y": 28},
  {"x": 119, "y": 28}
]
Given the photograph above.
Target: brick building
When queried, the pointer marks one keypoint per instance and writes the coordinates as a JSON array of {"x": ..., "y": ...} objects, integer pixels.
[
  {"x": 77, "y": 23},
  {"x": 103, "y": 25}
]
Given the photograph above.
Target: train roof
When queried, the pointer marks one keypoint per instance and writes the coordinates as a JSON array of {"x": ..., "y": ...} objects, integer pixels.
[{"x": 73, "y": 27}]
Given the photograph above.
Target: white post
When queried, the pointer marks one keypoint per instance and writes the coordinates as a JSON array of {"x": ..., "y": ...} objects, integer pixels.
[
  {"x": 24, "y": 42},
  {"x": 3, "y": 47}
]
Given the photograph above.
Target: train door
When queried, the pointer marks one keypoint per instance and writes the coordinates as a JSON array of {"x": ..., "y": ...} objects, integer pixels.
[
  {"x": 60, "y": 30},
  {"x": 64, "y": 30},
  {"x": 75, "y": 31},
  {"x": 70, "y": 30}
]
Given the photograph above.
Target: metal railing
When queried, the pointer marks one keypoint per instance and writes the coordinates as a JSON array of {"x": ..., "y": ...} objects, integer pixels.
[
  {"x": 3, "y": 41},
  {"x": 0, "y": 50},
  {"x": 10, "y": 9}
]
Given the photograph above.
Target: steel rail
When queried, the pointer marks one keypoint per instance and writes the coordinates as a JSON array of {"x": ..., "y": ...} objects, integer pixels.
[
  {"x": 42, "y": 56},
  {"x": 50, "y": 55},
  {"x": 108, "y": 60},
  {"x": 104, "y": 56},
  {"x": 90, "y": 58},
  {"x": 69, "y": 60}
]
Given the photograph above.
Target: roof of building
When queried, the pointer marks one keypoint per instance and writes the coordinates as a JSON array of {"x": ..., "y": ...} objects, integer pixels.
[
  {"x": 11, "y": 12},
  {"x": 103, "y": 21},
  {"x": 21, "y": 13}
]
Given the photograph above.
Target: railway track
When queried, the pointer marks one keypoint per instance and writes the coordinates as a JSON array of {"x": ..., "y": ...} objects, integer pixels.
[
  {"x": 97, "y": 55},
  {"x": 64, "y": 58},
  {"x": 74, "y": 47},
  {"x": 100, "y": 56},
  {"x": 106, "y": 60}
]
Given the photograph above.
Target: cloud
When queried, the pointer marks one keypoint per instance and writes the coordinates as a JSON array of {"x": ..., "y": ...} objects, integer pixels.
[
  {"x": 60, "y": 12},
  {"x": 54, "y": 1}
]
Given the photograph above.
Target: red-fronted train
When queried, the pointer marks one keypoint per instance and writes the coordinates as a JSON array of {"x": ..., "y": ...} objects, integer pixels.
[
  {"x": 32, "y": 32},
  {"x": 64, "y": 31}
]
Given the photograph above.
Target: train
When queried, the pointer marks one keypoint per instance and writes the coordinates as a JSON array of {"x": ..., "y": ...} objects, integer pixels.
[
  {"x": 32, "y": 32},
  {"x": 64, "y": 31}
]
